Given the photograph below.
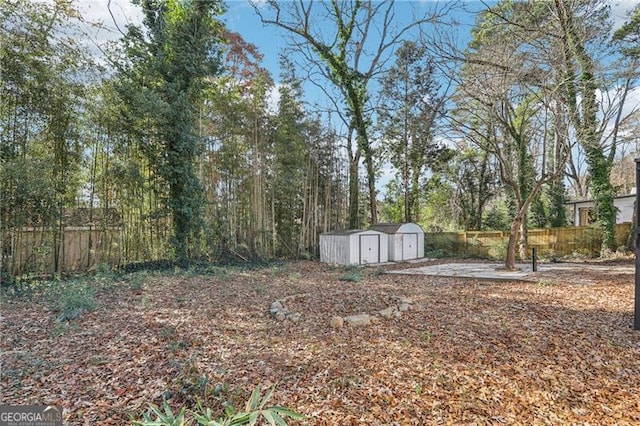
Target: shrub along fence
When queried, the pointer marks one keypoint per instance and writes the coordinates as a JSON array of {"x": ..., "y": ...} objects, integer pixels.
[
  {"x": 549, "y": 242},
  {"x": 46, "y": 251}
]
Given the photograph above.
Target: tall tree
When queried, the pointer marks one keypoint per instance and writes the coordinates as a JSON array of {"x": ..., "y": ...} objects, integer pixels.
[
  {"x": 580, "y": 24},
  {"x": 291, "y": 152},
  {"x": 595, "y": 91},
  {"x": 408, "y": 109},
  {"x": 163, "y": 79},
  {"x": 503, "y": 106},
  {"x": 350, "y": 42},
  {"x": 475, "y": 179},
  {"x": 42, "y": 87},
  {"x": 628, "y": 36}
]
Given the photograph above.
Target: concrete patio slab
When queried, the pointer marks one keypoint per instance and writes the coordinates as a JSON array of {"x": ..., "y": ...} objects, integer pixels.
[{"x": 491, "y": 271}]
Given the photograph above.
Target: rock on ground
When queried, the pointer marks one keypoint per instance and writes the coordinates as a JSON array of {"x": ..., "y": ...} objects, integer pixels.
[{"x": 358, "y": 320}]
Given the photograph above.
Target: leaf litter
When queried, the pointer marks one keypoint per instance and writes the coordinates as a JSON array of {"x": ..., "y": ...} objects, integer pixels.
[{"x": 469, "y": 352}]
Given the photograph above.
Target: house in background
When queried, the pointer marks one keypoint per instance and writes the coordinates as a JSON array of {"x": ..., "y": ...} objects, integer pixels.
[{"x": 582, "y": 211}]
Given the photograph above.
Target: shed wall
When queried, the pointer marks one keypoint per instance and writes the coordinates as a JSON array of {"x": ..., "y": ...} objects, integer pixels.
[
  {"x": 335, "y": 249},
  {"x": 398, "y": 242},
  {"x": 347, "y": 249}
]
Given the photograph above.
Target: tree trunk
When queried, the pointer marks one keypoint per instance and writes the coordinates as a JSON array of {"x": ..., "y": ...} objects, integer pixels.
[
  {"x": 633, "y": 233},
  {"x": 523, "y": 244},
  {"x": 603, "y": 197},
  {"x": 407, "y": 197},
  {"x": 510, "y": 263},
  {"x": 354, "y": 182},
  {"x": 519, "y": 222},
  {"x": 371, "y": 182}
]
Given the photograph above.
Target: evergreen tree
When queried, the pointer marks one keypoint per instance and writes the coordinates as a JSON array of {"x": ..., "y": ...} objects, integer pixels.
[
  {"x": 162, "y": 79},
  {"x": 409, "y": 108}
]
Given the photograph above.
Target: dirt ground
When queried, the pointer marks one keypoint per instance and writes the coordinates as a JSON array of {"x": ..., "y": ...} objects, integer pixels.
[{"x": 558, "y": 351}]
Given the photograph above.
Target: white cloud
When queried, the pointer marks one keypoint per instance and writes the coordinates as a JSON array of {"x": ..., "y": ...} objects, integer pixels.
[
  {"x": 106, "y": 19},
  {"x": 619, "y": 12},
  {"x": 273, "y": 98}
]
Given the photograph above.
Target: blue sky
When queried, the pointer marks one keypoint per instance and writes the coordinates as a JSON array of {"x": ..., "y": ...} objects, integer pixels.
[{"x": 242, "y": 19}]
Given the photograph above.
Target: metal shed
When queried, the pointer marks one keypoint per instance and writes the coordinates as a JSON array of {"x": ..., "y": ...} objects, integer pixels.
[
  {"x": 406, "y": 240},
  {"x": 354, "y": 247}
]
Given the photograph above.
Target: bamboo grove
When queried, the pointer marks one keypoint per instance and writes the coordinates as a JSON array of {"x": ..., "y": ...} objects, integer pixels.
[{"x": 258, "y": 180}]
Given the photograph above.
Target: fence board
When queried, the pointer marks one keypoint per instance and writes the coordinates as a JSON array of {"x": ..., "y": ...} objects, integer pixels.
[
  {"x": 582, "y": 240},
  {"x": 77, "y": 249}
]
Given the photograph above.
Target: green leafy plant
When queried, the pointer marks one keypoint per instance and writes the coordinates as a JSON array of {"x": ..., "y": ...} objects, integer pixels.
[
  {"x": 378, "y": 271},
  {"x": 352, "y": 277},
  {"x": 295, "y": 276},
  {"x": 105, "y": 276},
  {"x": 208, "y": 269},
  {"x": 436, "y": 253},
  {"x": 71, "y": 298},
  {"x": 352, "y": 273},
  {"x": 10, "y": 286},
  {"x": 255, "y": 409},
  {"x": 305, "y": 255},
  {"x": 164, "y": 416},
  {"x": 137, "y": 281},
  {"x": 498, "y": 249}
]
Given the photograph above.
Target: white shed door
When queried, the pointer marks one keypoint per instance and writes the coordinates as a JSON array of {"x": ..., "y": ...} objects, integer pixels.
[
  {"x": 369, "y": 249},
  {"x": 409, "y": 246}
]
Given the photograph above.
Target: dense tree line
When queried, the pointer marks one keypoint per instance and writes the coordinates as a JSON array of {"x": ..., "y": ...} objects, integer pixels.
[{"x": 176, "y": 129}]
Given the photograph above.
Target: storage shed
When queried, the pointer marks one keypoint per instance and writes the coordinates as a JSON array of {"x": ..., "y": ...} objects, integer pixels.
[
  {"x": 406, "y": 240},
  {"x": 354, "y": 247}
]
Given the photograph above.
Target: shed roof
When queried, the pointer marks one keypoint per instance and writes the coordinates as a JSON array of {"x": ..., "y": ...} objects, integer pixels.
[
  {"x": 346, "y": 231},
  {"x": 387, "y": 228},
  {"x": 391, "y": 228}
]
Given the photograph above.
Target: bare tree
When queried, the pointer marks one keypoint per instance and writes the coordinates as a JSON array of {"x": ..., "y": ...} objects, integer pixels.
[
  {"x": 349, "y": 42},
  {"x": 506, "y": 107}
]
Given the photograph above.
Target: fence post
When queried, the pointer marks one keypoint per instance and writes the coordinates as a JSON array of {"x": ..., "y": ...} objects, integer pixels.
[{"x": 636, "y": 317}]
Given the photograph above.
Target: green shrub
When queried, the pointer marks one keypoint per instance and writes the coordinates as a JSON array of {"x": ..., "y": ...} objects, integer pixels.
[
  {"x": 379, "y": 270},
  {"x": 137, "y": 281},
  {"x": 351, "y": 277},
  {"x": 104, "y": 269},
  {"x": 588, "y": 243},
  {"x": 10, "y": 286},
  {"x": 352, "y": 274},
  {"x": 436, "y": 253},
  {"x": 70, "y": 298},
  {"x": 208, "y": 269},
  {"x": 105, "y": 276},
  {"x": 498, "y": 250},
  {"x": 305, "y": 255}
]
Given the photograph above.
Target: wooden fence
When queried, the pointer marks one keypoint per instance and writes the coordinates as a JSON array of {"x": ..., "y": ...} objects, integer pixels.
[
  {"x": 45, "y": 251},
  {"x": 549, "y": 242}
]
